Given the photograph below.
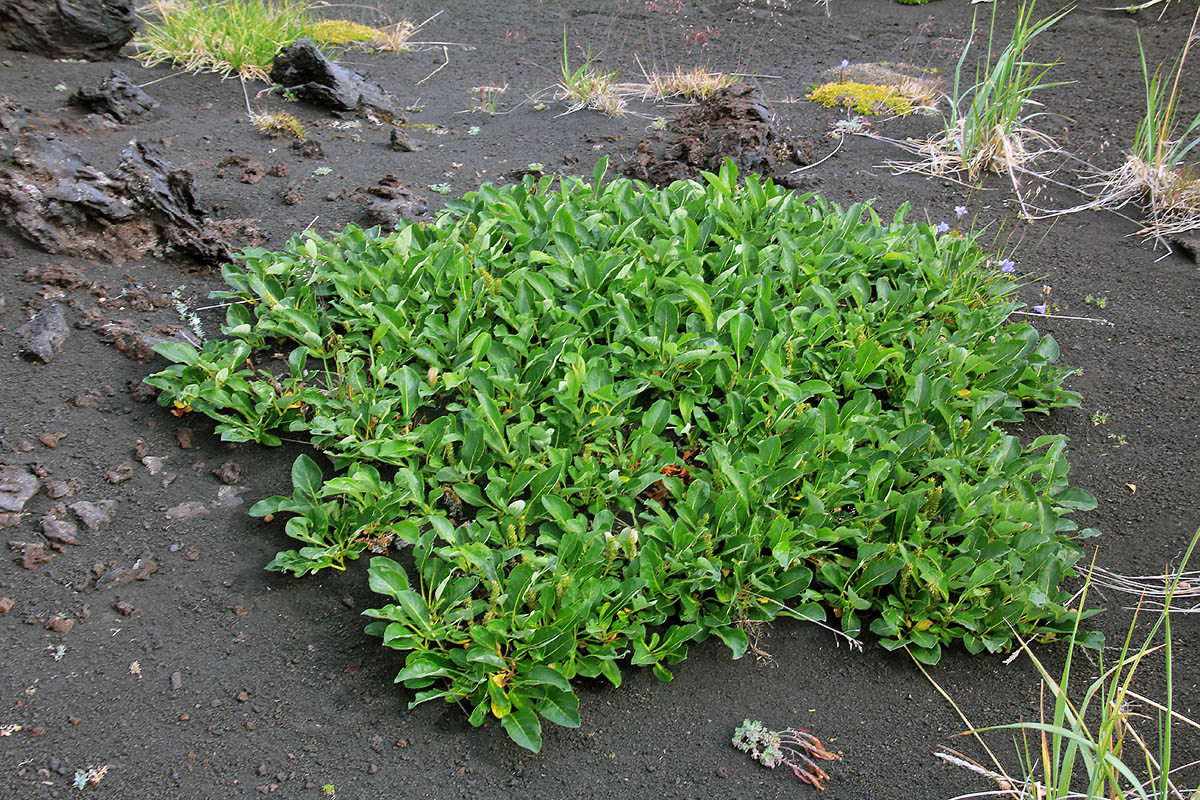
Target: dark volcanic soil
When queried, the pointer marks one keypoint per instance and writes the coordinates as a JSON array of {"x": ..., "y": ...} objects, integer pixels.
[{"x": 211, "y": 678}]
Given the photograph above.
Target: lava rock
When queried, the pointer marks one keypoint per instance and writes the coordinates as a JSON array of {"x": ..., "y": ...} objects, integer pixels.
[
  {"x": 120, "y": 473},
  {"x": 62, "y": 531},
  {"x": 30, "y": 554},
  {"x": 1190, "y": 245},
  {"x": 390, "y": 203},
  {"x": 228, "y": 473},
  {"x": 94, "y": 516},
  {"x": 89, "y": 29},
  {"x": 56, "y": 489},
  {"x": 53, "y": 198},
  {"x": 187, "y": 510},
  {"x": 308, "y": 148},
  {"x": 16, "y": 487},
  {"x": 305, "y": 70},
  {"x": 140, "y": 570},
  {"x": 64, "y": 275},
  {"x": 138, "y": 344},
  {"x": 733, "y": 123},
  {"x": 403, "y": 143},
  {"x": 43, "y": 336},
  {"x": 117, "y": 96}
]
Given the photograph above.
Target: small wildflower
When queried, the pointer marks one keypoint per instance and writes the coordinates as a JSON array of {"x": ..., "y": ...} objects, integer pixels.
[
  {"x": 791, "y": 746},
  {"x": 943, "y": 227},
  {"x": 1040, "y": 309},
  {"x": 845, "y": 63},
  {"x": 1007, "y": 266},
  {"x": 960, "y": 211}
]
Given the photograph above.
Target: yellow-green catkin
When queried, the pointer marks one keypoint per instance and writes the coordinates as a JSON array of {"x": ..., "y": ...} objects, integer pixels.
[{"x": 933, "y": 501}]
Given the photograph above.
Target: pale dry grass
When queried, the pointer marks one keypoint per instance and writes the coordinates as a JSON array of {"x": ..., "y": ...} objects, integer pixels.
[{"x": 696, "y": 83}]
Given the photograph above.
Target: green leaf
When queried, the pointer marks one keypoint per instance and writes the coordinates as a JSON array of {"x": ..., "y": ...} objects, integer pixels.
[
  {"x": 598, "y": 175},
  {"x": 307, "y": 477},
  {"x": 420, "y": 668},
  {"x": 523, "y": 727},
  {"x": 179, "y": 352},
  {"x": 561, "y": 707},
  {"x": 544, "y": 675},
  {"x": 558, "y": 508},
  {"x": 697, "y": 295},
  {"x": 386, "y": 577},
  {"x": 656, "y": 418},
  {"x": 735, "y": 638}
]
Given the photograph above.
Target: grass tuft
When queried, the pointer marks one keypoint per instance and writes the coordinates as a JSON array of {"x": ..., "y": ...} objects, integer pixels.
[
  {"x": 1155, "y": 173},
  {"x": 241, "y": 37},
  {"x": 278, "y": 124},
  {"x": 1089, "y": 742},
  {"x": 234, "y": 37},
  {"x": 590, "y": 86},
  {"x": 987, "y": 128},
  {"x": 696, "y": 83}
]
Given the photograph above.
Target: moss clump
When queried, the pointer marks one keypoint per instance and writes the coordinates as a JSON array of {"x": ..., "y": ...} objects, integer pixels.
[
  {"x": 865, "y": 98},
  {"x": 279, "y": 123},
  {"x": 342, "y": 31}
]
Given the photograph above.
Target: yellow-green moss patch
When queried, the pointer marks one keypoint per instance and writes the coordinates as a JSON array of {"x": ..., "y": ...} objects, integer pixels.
[
  {"x": 343, "y": 31},
  {"x": 865, "y": 98}
]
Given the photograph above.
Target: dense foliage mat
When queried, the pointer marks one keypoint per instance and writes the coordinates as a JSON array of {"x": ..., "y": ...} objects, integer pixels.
[{"x": 612, "y": 420}]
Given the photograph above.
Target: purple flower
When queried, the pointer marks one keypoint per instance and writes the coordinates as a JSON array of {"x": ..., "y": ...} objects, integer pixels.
[
  {"x": 845, "y": 63},
  {"x": 1040, "y": 309},
  {"x": 942, "y": 227},
  {"x": 960, "y": 211},
  {"x": 1007, "y": 265}
]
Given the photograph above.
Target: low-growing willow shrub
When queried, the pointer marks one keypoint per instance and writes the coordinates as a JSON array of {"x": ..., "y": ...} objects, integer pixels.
[{"x": 613, "y": 420}]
